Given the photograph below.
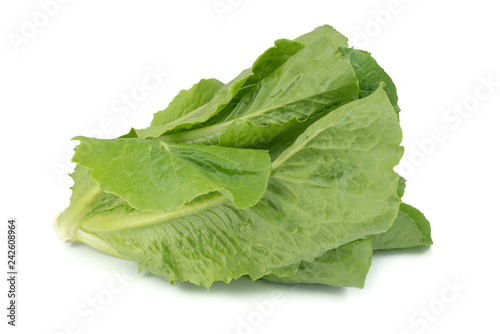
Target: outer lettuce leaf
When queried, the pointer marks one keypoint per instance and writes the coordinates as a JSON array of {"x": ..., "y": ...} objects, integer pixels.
[
  {"x": 410, "y": 229},
  {"x": 346, "y": 265},
  {"x": 333, "y": 186},
  {"x": 87, "y": 200},
  {"x": 156, "y": 176}
]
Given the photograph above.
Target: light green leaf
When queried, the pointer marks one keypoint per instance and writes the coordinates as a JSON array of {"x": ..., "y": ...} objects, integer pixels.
[
  {"x": 370, "y": 74},
  {"x": 87, "y": 199},
  {"x": 346, "y": 265},
  {"x": 200, "y": 103},
  {"x": 188, "y": 101},
  {"x": 156, "y": 176},
  {"x": 327, "y": 31}
]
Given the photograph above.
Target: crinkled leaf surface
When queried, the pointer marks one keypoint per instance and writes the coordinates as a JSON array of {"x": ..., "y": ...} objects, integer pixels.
[
  {"x": 346, "y": 265},
  {"x": 155, "y": 176},
  {"x": 324, "y": 31},
  {"x": 189, "y": 102}
]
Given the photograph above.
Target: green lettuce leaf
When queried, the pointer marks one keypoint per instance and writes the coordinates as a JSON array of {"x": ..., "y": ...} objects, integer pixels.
[
  {"x": 370, "y": 74},
  {"x": 410, "y": 229},
  {"x": 193, "y": 107},
  {"x": 346, "y": 265},
  {"x": 189, "y": 102},
  {"x": 155, "y": 176},
  {"x": 272, "y": 59}
]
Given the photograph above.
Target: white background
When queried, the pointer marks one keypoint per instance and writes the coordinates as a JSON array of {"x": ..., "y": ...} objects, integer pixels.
[{"x": 67, "y": 78}]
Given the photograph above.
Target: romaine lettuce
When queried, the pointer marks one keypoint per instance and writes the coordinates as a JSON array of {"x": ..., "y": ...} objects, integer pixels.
[{"x": 283, "y": 174}]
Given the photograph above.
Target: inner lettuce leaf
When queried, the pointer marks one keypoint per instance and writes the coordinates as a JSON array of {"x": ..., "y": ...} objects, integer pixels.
[
  {"x": 285, "y": 86},
  {"x": 370, "y": 75},
  {"x": 177, "y": 115},
  {"x": 348, "y": 264}
]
